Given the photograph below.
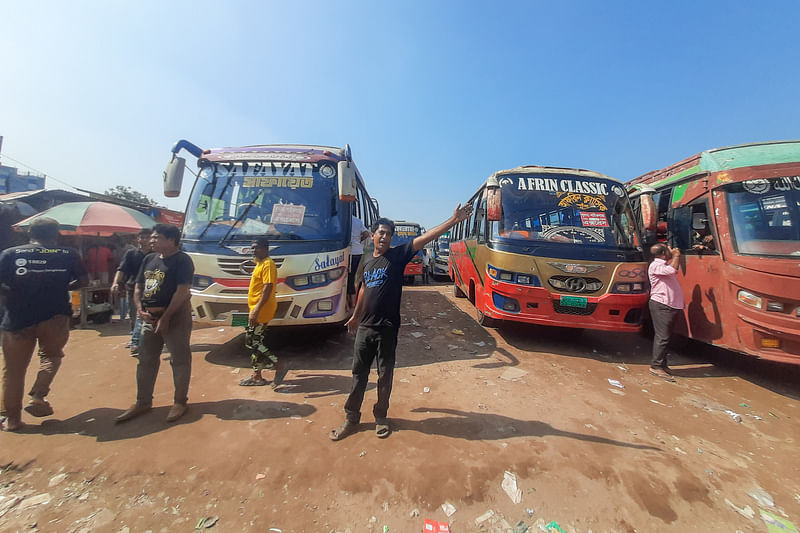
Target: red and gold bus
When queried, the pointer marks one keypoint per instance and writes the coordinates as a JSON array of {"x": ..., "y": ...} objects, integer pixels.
[
  {"x": 735, "y": 215},
  {"x": 551, "y": 246}
]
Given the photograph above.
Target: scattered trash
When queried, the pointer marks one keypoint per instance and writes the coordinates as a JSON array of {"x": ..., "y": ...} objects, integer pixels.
[
  {"x": 55, "y": 480},
  {"x": 427, "y": 346},
  {"x": 414, "y": 513},
  {"x": 745, "y": 511},
  {"x": 208, "y": 522},
  {"x": 616, "y": 383},
  {"x": 755, "y": 416},
  {"x": 484, "y": 517},
  {"x": 385, "y": 529},
  {"x": 452, "y": 346},
  {"x": 513, "y": 373},
  {"x": 442, "y": 314},
  {"x": 520, "y": 527},
  {"x": 735, "y": 416},
  {"x": 509, "y": 485},
  {"x": 481, "y": 343},
  {"x": 448, "y": 509},
  {"x": 776, "y": 524},
  {"x": 416, "y": 334},
  {"x": 236, "y": 370},
  {"x": 432, "y": 526},
  {"x": 622, "y": 368},
  {"x": 554, "y": 525},
  {"x": 699, "y": 450},
  {"x": 743, "y": 405},
  {"x": 762, "y": 497},
  {"x": 529, "y": 511},
  {"x": 456, "y": 332},
  {"x": 221, "y": 330},
  {"x": 658, "y": 403},
  {"x": 363, "y": 453},
  {"x": 617, "y": 392},
  {"x": 260, "y": 476},
  {"x": 426, "y": 389},
  {"x": 275, "y": 529},
  {"x": 772, "y": 414},
  {"x": 680, "y": 451}
]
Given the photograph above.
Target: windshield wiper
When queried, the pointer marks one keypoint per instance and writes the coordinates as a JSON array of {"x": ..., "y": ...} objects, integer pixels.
[{"x": 240, "y": 217}]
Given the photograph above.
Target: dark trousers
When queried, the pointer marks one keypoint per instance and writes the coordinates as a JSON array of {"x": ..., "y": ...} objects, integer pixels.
[
  {"x": 372, "y": 343},
  {"x": 663, "y": 317},
  {"x": 150, "y": 346}
]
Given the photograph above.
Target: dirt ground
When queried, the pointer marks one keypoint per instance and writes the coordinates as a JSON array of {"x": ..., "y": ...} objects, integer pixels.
[{"x": 468, "y": 405}]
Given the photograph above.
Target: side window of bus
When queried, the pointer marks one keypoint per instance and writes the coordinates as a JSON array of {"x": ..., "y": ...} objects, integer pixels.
[
  {"x": 692, "y": 229},
  {"x": 480, "y": 218},
  {"x": 663, "y": 201}
]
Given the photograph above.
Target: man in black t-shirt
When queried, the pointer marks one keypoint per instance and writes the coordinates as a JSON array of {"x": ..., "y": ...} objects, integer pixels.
[
  {"x": 35, "y": 280},
  {"x": 126, "y": 273},
  {"x": 162, "y": 299},
  {"x": 376, "y": 319}
]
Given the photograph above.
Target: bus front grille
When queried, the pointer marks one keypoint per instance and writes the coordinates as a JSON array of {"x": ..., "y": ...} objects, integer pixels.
[
  {"x": 237, "y": 266},
  {"x": 567, "y": 310}
]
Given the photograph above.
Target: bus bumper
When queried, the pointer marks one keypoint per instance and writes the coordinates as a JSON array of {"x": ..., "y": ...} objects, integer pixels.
[
  {"x": 774, "y": 340},
  {"x": 306, "y": 308},
  {"x": 537, "y": 305}
]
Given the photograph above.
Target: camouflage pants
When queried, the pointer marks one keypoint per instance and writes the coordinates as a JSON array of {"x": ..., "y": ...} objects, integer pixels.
[{"x": 261, "y": 357}]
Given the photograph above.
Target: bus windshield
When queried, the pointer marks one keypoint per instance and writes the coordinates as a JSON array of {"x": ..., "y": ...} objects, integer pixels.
[
  {"x": 765, "y": 216},
  {"x": 404, "y": 232},
  {"x": 284, "y": 201},
  {"x": 565, "y": 209}
]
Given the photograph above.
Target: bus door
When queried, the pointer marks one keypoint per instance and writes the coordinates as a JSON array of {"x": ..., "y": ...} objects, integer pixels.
[{"x": 701, "y": 272}]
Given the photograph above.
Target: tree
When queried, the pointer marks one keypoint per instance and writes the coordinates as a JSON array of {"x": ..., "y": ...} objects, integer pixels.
[{"x": 126, "y": 193}]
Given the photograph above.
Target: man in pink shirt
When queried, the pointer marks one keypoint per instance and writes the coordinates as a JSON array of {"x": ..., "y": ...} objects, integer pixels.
[{"x": 666, "y": 301}]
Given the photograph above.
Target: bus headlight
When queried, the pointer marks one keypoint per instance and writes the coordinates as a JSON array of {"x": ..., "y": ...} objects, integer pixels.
[
  {"x": 523, "y": 279},
  {"x": 298, "y": 281},
  {"x": 506, "y": 276},
  {"x": 317, "y": 279},
  {"x": 321, "y": 307},
  {"x": 202, "y": 282},
  {"x": 336, "y": 273},
  {"x": 629, "y": 288},
  {"x": 748, "y": 298},
  {"x": 775, "y": 307}
]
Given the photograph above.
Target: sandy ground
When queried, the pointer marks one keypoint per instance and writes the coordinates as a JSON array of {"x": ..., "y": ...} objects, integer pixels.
[{"x": 468, "y": 405}]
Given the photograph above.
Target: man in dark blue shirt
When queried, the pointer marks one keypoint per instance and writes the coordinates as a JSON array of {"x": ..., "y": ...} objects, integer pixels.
[
  {"x": 35, "y": 280},
  {"x": 376, "y": 319}
]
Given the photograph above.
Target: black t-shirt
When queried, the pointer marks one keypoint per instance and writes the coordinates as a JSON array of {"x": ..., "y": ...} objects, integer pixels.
[
  {"x": 130, "y": 264},
  {"x": 38, "y": 278},
  {"x": 160, "y": 277},
  {"x": 383, "y": 285}
]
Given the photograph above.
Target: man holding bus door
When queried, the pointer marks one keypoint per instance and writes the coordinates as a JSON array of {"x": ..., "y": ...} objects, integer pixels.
[
  {"x": 376, "y": 319},
  {"x": 666, "y": 301}
]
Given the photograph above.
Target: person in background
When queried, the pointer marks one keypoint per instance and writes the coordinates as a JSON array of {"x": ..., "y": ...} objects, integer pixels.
[
  {"x": 358, "y": 233},
  {"x": 126, "y": 273},
  {"x": 35, "y": 279},
  {"x": 262, "y": 303},
  {"x": 162, "y": 300},
  {"x": 98, "y": 263},
  {"x": 376, "y": 319},
  {"x": 666, "y": 301},
  {"x": 426, "y": 266}
]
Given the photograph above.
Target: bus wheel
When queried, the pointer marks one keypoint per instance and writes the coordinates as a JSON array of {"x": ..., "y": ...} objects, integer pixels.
[
  {"x": 457, "y": 292},
  {"x": 486, "y": 321}
]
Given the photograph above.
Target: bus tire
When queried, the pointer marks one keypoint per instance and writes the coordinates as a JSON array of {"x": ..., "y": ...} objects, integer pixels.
[
  {"x": 457, "y": 292},
  {"x": 485, "y": 321}
]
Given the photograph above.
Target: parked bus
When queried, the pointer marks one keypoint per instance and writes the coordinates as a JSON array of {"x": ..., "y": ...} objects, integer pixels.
[
  {"x": 404, "y": 232},
  {"x": 552, "y": 246},
  {"x": 303, "y": 198},
  {"x": 441, "y": 256},
  {"x": 735, "y": 215}
]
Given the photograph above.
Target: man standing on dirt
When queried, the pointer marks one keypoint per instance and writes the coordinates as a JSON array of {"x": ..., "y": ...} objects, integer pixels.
[
  {"x": 35, "y": 280},
  {"x": 376, "y": 319},
  {"x": 126, "y": 273},
  {"x": 666, "y": 301},
  {"x": 162, "y": 300},
  {"x": 262, "y": 303}
]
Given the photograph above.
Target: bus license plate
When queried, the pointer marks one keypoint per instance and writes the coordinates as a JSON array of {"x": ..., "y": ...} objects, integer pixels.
[{"x": 574, "y": 301}]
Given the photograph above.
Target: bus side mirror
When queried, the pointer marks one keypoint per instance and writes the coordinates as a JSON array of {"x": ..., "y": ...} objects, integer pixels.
[
  {"x": 173, "y": 176},
  {"x": 494, "y": 204},
  {"x": 347, "y": 181},
  {"x": 699, "y": 221},
  {"x": 649, "y": 213}
]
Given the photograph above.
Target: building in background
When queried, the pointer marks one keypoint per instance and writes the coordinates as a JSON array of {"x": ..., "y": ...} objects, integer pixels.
[{"x": 12, "y": 181}]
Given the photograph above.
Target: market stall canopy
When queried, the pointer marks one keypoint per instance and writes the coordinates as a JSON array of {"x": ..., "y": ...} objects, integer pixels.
[{"x": 93, "y": 218}]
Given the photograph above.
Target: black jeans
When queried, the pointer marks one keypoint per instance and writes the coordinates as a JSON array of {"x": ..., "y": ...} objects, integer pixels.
[
  {"x": 663, "y": 317},
  {"x": 372, "y": 343}
]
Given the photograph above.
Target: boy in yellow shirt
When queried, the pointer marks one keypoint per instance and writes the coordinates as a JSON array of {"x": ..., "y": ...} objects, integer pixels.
[{"x": 262, "y": 304}]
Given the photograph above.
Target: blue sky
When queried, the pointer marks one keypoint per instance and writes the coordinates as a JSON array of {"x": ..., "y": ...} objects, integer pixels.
[{"x": 431, "y": 96}]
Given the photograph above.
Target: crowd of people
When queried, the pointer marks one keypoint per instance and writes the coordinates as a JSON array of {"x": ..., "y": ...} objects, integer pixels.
[{"x": 156, "y": 276}]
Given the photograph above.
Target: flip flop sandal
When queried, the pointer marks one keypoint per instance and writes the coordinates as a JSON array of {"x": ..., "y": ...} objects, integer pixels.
[
  {"x": 348, "y": 428},
  {"x": 382, "y": 429},
  {"x": 39, "y": 409},
  {"x": 250, "y": 382}
]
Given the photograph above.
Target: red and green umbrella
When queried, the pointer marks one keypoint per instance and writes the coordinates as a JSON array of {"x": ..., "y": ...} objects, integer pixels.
[{"x": 93, "y": 218}]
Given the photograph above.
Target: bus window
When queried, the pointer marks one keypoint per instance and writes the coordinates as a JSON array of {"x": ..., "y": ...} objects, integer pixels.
[
  {"x": 765, "y": 221},
  {"x": 480, "y": 218}
]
